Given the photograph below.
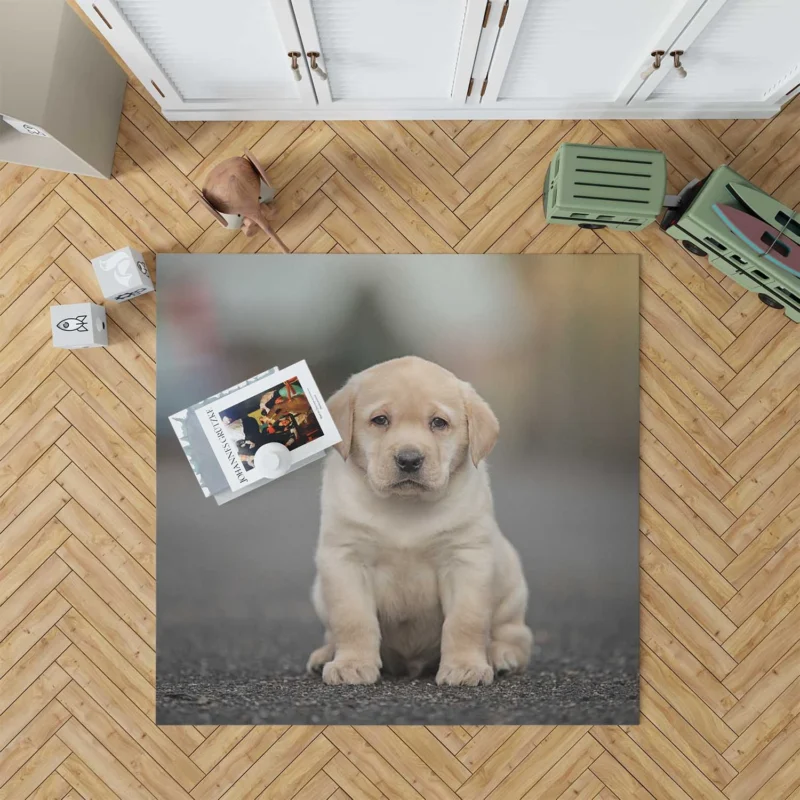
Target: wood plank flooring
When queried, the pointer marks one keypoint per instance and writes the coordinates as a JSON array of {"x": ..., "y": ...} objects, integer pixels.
[{"x": 720, "y": 470}]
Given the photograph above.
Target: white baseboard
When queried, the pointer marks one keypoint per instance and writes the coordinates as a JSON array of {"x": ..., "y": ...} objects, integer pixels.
[{"x": 650, "y": 111}]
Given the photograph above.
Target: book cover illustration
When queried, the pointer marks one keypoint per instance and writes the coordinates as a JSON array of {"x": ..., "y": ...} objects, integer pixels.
[{"x": 283, "y": 407}]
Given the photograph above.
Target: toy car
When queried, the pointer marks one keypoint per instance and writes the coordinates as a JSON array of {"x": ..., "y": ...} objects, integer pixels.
[
  {"x": 703, "y": 232},
  {"x": 745, "y": 234}
]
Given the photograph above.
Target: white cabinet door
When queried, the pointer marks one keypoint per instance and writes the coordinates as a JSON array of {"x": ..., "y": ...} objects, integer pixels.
[
  {"x": 737, "y": 51},
  {"x": 208, "y": 54},
  {"x": 426, "y": 59},
  {"x": 553, "y": 54},
  {"x": 388, "y": 54}
]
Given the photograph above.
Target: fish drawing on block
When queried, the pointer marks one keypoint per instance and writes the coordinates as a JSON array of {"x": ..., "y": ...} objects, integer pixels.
[
  {"x": 764, "y": 239},
  {"x": 77, "y": 324}
]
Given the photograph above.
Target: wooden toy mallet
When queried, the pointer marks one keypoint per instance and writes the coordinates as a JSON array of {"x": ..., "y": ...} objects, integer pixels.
[{"x": 233, "y": 189}]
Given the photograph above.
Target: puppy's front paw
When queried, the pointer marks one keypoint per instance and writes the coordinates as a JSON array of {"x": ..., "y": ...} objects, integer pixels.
[
  {"x": 510, "y": 650},
  {"x": 320, "y": 657},
  {"x": 465, "y": 673},
  {"x": 350, "y": 670},
  {"x": 507, "y": 657}
]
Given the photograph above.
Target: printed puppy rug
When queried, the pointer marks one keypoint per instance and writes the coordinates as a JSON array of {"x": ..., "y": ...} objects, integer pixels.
[{"x": 428, "y": 514}]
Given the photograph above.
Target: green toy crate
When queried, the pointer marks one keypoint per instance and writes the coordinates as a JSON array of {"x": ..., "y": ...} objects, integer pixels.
[
  {"x": 605, "y": 187},
  {"x": 696, "y": 225}
]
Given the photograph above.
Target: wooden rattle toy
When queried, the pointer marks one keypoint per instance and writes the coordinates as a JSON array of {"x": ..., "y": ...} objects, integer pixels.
[{"x": 235, "y": 193}]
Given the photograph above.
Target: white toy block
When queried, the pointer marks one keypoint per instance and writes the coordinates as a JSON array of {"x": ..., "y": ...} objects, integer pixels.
[
  {"x": 78, "y": 325},
  {"x": 122, "y": 275}
]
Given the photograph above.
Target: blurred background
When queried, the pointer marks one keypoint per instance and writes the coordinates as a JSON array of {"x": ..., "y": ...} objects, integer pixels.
[{"x": 551, "y": 342}]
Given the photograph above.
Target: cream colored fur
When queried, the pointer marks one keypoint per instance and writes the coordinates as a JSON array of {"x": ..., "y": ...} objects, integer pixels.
[{"x": 414, "y": 574}]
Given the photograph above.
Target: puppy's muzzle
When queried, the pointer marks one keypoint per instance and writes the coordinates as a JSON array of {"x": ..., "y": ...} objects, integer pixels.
[{"x": 409, "y": 461}]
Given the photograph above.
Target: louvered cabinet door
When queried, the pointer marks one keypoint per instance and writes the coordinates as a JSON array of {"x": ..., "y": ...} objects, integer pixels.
[
  {"x": 206, "y": 54},
  {"x": 738, "y": 51},
  {"x": 564, "y": 54},
  {"x": 376, "y": 55}
]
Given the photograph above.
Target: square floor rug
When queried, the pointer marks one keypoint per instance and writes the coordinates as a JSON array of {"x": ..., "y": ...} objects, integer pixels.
[{"x": 480, "y": 489}]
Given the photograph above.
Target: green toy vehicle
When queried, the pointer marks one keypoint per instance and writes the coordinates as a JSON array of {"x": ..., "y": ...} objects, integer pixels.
[
  {"x": 605, "y": 187},
  {"x": 598, "y": 187},
  {"x": 702, "y": 232}
]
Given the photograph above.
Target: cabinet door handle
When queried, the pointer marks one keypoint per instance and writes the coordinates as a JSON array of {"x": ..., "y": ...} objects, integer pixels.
[
  {"x": 294, "y": 55},
  {"x": 100, "y": 14},
  {"x": 313, "y": 56},
  {"x": 657, "y": 56},
  {"x": 676, "y": 57}
]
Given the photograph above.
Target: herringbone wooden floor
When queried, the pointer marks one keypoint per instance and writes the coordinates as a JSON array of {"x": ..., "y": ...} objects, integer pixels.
[{"x": 720, "y": 470}]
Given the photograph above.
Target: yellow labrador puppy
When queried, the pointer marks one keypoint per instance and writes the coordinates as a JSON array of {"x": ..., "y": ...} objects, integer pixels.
[{"x": 412, "y": 569}]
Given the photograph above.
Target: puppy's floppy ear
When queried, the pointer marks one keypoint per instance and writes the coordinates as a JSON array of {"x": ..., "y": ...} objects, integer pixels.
[
  {"x": 482, "y": 425},
  {"x": 342, "y": 406}
]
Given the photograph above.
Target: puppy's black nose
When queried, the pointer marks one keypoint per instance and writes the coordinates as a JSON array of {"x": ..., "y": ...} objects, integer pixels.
[{"x": 409, "y": 460}]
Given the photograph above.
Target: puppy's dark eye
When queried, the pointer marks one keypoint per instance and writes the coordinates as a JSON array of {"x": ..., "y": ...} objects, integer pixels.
[
  {"x": 381, "y": 420},
  {"x": 439, "y": 424}
]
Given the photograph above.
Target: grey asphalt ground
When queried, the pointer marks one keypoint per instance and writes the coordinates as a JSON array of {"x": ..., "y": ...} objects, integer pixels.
[
  {"x": 558, "y": 688},
  {"x": 235, "y": 624}
]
